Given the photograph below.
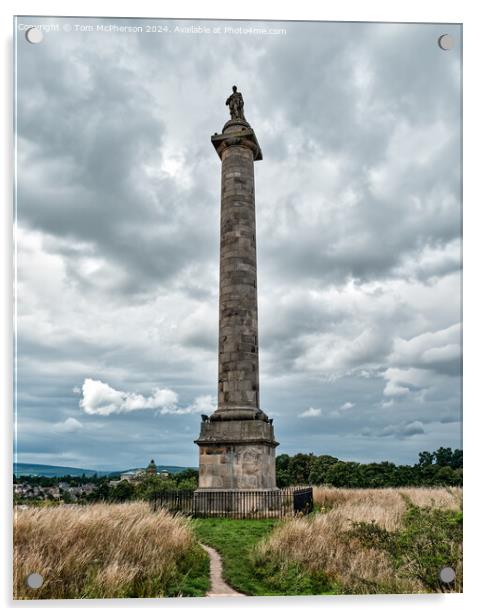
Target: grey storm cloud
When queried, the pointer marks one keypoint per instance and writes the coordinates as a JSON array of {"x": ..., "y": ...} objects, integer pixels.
[{"x": 359, "y": 237}]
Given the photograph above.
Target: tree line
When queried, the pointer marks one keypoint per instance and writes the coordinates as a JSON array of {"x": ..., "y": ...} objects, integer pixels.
[
  {"x": 111, "y": 489},
  {"x": 441, "y": 467},
  {"x": 147, "y": 487}
]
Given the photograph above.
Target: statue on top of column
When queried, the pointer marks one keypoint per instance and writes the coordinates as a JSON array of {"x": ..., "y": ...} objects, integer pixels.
[{"x": 236, "y": 105}]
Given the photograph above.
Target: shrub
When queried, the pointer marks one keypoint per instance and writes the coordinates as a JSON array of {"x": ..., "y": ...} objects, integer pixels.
[{"x": 428, "y": 540}]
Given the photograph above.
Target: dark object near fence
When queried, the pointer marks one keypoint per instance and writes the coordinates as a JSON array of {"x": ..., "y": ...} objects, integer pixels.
[{"x": 254, "y": 504}]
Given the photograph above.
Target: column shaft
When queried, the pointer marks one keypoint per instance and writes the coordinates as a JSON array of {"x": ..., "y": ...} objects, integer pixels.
[{"x": 238, "y": 382}]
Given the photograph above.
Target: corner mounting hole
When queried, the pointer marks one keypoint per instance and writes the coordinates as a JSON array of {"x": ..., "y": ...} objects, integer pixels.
[
  {"x": 34, "y": 35},
  {"x": 447, "y": 575},
  {"x": 34, "y": 580},
  {"x": 446, "y": 42}
]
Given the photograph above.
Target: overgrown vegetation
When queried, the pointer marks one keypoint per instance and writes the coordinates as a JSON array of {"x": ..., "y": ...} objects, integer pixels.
[
  {"x": 439, "y": 468},
  {"x": 373, "y": 541},
  {"x": 428, "y": 540},
  {"x": 107, "y": 550}
]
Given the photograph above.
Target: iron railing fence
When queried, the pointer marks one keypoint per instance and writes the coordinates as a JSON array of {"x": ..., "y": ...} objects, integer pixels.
[{"x": 256, "y": 504}]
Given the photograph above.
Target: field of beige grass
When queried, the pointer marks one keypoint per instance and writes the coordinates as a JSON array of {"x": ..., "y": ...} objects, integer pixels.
[
  {"x": 322, "y": 542},
  {"x": 127, "y": 550},
  {"x": 104, "y": 550},
  {"x": 383, "y": 505}
]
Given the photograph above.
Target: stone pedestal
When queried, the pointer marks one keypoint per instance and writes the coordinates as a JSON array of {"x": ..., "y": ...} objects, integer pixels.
[
  {"x": 237, "y": 443},
  {"x": 237, "y": 455}
]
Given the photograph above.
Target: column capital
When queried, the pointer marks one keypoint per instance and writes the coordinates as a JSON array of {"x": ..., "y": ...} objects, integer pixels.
[{"x": 237, "y": 132}]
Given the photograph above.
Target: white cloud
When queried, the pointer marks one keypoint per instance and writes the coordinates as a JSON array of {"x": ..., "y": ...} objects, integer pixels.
[
  {"x": 412, "y": 428},
  {"x": 69, "y": 425},
  {"x": 330, "y": 355},
  {"x": 204, "y": 404},
  {"x": 438, "y": 350},
  {"x": 99, "y": 398},
  {"x": 410, "y": 151},
  {"x": 311, "y": 412},
  {"x": 327, "y": 413},
  {"x": 431, "y": 261},
  {"x": 400, "y": 431},
  {"x": 393, "y": 389},
  {"x": 402, "y": 381},
  {"x": 347, "y": 406}
]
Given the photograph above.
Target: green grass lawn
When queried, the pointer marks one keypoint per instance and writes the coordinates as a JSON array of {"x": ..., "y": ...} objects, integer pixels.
[
  {"x": 235, "y": 541},
  {"x": 191, "y": 578}
]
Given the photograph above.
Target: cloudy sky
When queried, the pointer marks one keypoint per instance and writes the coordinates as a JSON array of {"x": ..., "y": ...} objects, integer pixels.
[{"x": 359, "y": 238}]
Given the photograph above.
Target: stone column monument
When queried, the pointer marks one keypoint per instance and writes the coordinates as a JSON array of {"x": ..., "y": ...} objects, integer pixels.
[{"x": 237, "y": 444}]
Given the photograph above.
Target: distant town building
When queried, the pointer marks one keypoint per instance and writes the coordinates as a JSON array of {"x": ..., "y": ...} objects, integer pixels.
[
  {"x": 138, "y": 474},
  {"x": 25, "y": 490},
  {"x": 134, "y": 475},
  {"x": 151, "y": 468}
]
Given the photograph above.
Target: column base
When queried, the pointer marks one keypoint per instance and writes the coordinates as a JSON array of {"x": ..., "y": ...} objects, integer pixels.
[{"x": 237, "y": 455}]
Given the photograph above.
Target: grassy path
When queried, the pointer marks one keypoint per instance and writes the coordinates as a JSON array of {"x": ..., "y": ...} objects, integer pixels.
[
  {"x": 234, "y": 540},
  {"x": 218, "y": 587}
]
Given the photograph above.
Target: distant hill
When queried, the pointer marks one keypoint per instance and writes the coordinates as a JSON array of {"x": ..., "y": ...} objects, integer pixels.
[
  {"x": 47, "y": 470},
  {"x": 160, "y": 467}
]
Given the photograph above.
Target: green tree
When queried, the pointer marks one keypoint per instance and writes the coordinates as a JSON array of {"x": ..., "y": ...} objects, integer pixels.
[
  {"x": 282, "y": 473},
  {"x": 406, "y": 475},
  {"x": 299, "y": 468},
  {"x": 425, "y": 458},
  {"x": 282, "y": 462},
  {"x": 445, "y": 476},
  {"x": 188, "y": 473},
  {"x": 121, "y": 492},
  {"x": 101, "y": 492},
  {"x": 67, "y": 498},
  {"x": 457, "y": 459},
  {"x": 319, "y": 469},
  {"x": 152, "y": 484},
  {"x": 443, "y": 456},
  {"x": 344, "y": 475},
  {"x": 187, "y": 484}
]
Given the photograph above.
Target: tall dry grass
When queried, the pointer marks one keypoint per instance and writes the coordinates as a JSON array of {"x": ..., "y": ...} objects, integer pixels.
[
  {"x": 100, "y": 550},
  {"x": 320, "y": 542},
  {"x": 385, "y": 506}
]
